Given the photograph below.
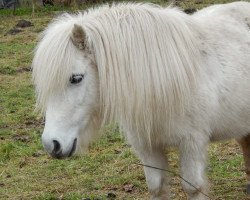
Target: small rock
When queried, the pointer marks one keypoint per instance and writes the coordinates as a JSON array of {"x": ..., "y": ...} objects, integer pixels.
[{"x": 23, "y": 23}]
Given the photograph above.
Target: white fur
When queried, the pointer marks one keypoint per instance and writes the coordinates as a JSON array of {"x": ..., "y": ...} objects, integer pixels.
[{"x": 167, "y": 78}]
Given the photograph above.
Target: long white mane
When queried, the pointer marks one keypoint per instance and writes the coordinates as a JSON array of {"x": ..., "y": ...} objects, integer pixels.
[{"x": 147, "y": 60}]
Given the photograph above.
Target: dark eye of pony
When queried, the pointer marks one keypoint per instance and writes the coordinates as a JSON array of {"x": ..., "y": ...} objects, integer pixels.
[{"x": 76, "y": 78}]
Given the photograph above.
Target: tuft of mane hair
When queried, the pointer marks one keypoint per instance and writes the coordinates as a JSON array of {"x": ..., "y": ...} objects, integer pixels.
[{"x": 146, "y": 56}]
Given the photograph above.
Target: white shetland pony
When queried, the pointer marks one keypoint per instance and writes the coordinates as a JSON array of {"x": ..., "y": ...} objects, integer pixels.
[{"x": 167, "y": 78}]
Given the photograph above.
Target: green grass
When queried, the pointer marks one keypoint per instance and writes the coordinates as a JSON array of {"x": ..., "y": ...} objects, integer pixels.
[{"x": 27, "y": 172}]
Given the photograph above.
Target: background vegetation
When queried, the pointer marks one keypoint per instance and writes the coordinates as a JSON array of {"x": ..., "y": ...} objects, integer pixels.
[{"x": 27, "y": 172}]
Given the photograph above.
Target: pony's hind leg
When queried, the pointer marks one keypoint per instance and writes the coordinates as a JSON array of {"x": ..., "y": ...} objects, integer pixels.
[
  {"x": 156, "y": 178},
  {"x": 193, "y": 155},
  {"x": 245, "y": 145}
]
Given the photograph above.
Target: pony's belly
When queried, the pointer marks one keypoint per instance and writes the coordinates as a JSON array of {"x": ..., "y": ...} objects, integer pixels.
[
  {"x": 234, "y": 133},
  {"x": 225, "y": 136}
]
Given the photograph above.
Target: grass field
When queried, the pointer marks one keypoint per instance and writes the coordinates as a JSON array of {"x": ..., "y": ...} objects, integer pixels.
[{"x": 27, "y": 172}]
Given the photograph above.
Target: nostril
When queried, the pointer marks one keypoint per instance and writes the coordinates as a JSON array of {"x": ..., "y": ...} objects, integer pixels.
[{"x": 57, "y": 152}]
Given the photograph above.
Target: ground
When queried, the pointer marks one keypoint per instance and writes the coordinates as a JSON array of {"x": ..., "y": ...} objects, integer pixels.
[{"x": 110, "y": 168}]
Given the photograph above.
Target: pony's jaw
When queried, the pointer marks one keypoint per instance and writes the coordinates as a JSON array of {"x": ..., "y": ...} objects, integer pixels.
[
  {"x": 62, "y": 142},
  {"x": 65, "y": 119},
  {"x": 69, "y": 113},
  {"x": 62, "y": 135}
]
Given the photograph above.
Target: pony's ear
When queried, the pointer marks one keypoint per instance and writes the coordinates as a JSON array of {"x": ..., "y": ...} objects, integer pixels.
[{"x": 78, "y": 37}]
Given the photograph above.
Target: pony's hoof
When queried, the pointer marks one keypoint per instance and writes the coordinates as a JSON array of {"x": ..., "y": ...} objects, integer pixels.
[{"x": 248, "y": 189}]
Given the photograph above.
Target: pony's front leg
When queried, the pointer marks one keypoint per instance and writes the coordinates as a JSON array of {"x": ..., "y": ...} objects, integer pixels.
[
  {"x": 193, "y": 155},
  {"x": 245, "y": 145},
  {"x": 156, "y": 179}
]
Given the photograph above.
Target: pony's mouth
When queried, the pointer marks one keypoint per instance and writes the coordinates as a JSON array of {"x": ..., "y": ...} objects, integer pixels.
[
  {"x": 73, "y": 148},
  {"x": 58, "y": 153}
]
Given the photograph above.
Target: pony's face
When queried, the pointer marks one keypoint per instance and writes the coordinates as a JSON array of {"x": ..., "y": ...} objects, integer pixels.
[{"x": 72, "y": 115}]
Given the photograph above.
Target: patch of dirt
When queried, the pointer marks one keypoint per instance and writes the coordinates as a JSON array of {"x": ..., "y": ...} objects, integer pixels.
[
  {"x": 23, "y": 24},
  {"x": 13, "y": 31},
  {"x": 117, "y": 151},
  {"x": 8, "y": 176},
  {"x": 38, "y": 153},
  {"x": 177, "y": 2},
  {"x": 21, "y": 138},
  {"x": 23, "y": 69},
  {"x": 111, "y": 196},
  {"x": 34, "y": 123},
  {"x": 22, "y": 164},
  {"x": 26, "y": 161},
  {"x": 128, "y": 187},
  {"x": 4, "y": 126},
  {"x": 198, "y": 1}
]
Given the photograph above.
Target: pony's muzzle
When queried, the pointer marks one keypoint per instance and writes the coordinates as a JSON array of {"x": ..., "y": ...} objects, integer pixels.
[{"x": 57, "y": 151}]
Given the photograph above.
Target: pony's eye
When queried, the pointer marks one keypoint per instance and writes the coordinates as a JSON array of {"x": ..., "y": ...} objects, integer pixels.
[{"x": 76, "y": 78}]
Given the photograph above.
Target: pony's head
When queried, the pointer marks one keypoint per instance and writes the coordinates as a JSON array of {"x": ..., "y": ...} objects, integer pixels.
[{"x": 66, "y": 83}]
